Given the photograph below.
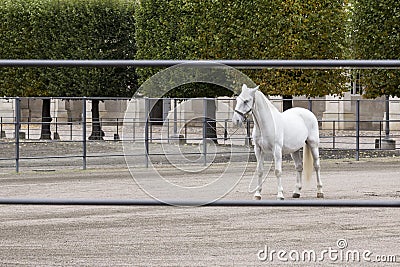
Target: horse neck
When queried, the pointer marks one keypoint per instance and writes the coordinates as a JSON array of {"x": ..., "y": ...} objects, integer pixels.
[
  {"x": 264, "y": 104},
  {"x": 264, "y": 112}
]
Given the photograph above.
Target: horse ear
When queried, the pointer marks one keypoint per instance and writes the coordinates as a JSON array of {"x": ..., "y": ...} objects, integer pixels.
[
  {"x": 244, "y": 87},
  {"x": 253, "y": 90}
]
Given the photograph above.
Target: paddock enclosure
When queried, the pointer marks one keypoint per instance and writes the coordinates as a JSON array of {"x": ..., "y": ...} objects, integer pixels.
[
  {"x": 195, "y": 236},
  {"x": 66, "y": 235}
]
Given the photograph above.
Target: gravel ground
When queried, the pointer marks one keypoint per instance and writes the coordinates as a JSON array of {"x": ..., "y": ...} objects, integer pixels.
[
  {"x": 60, "y": 155},
  {"x": 202, "y": 236}
]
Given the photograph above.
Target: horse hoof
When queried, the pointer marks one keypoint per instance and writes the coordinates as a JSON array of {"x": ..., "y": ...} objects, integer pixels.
[
  {"x": 320, "y": 195},
  {"x": 280, "y": 198},
  {"x": 296, "y": 195},
  {"x": 257, "y": 197}
]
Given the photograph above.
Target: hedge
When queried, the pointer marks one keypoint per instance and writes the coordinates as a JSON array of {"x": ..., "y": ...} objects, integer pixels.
[
  {"x": 67, "y": 29},
  {"x": 376, "y": 28},
  {"x": 260, "y": 29}
]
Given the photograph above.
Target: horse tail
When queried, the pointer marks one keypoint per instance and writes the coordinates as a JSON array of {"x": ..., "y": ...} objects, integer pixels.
[{"x": 307, "y": 162}]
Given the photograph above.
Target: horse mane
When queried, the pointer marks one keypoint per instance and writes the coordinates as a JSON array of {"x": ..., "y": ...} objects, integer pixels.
[{"x": 267, "y": 100}]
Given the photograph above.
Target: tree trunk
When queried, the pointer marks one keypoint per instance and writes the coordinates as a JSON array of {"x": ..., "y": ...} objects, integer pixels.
[
  {"x": 97, "y": 132},
  {"x": 287, "y": 102},
  {"x": 46, "y": 120},
  {"x": 211, "y": 124}
]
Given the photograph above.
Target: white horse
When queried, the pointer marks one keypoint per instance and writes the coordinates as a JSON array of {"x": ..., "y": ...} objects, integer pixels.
[{"x": 280, "y": 133}]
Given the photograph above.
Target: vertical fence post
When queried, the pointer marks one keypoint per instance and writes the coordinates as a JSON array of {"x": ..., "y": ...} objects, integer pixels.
[
  {"x": 133, "y": 130},
  {"x": 166, "y": 108},
  {"x": 186, "y": 134},
  {"x": 29, "y": 123},
  {"x": 225, "y": 130},
  {"x": 205, "y": 131},
  {"x": 146, "y": 130},
  {"x": 56, "y": 134},
  {"x": 358, "y": 129},
  {"x": 175, "y": 119},
  {"x": 380, "y": 135},
  {"x": 17, "y": 128},
  {"x": 151, "y": 130},
  {"x": 334, "y": 135},
  {"x": 84, "y": 145},
  {"x": 70, "y": 130},
  {"x": 248, "y": 137},
  {"x": 117, "y": 137},
  {"x": 310, "y": 104},
  {"x": 387, "y": 117},
  {"x": 167, "y": 121}
]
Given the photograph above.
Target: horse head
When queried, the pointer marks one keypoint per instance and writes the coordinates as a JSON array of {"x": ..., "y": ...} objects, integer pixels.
[{"x": 244, "y": 105}]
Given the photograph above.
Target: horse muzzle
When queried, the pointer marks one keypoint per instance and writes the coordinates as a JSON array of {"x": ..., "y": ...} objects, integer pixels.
[
  {"x": 238, "y": 117},
  {"x": 237, "y": 120}
]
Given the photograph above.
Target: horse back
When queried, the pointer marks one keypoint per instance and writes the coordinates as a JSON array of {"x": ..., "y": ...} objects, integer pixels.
[
  {"x": 301, "y": 121},
  {"x": 307, "y": 116}
]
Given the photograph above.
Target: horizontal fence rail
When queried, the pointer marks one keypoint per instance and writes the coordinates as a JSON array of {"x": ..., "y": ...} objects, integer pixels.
[
  {"x": 194, "y": 203},
  {"x": 259, "y": 64}
]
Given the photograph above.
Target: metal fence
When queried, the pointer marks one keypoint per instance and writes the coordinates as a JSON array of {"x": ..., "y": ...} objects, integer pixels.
[
  {"x": 18, "y": 155},
  {"x": 194, "y": 203},
  {"x": 177, "y": 130},
  {"x": 353, "y": 135}
]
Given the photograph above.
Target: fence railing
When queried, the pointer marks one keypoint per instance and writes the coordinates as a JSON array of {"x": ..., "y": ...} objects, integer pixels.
[
  {"x": 339, "y": 132},
  {"x": 156, "y": 138},
  {"x": 239, "y": 63}
]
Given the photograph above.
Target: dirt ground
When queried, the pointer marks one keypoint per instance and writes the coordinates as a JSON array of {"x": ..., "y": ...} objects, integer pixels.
[{"x": 201, "y": 236}]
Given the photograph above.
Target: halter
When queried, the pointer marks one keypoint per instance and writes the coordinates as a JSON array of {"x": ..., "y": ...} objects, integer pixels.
[{"x": 244, "y": 115}]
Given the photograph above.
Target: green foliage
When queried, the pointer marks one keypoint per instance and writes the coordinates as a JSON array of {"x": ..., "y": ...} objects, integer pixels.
[
  {"x": 17, "y": 41},
  {"x": 376, "y": 28},
  {"x": 67, "y": 29},
  {"x": 216, "y": 29}
]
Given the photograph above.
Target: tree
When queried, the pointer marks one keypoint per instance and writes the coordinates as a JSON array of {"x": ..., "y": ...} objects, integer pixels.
[
  {"x": 216, "y": 29},
  {"x": 298, "y": 29},
  {"x": 19, "y": 40},
  {"x": 376, "y": 27},
  {"x": 67, "y": 29}
]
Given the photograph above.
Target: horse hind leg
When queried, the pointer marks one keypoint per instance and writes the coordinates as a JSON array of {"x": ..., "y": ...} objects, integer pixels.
[
  {"x": 278, "y": 172},
  {"x": 299, "y": 168},
  {"x": 315, "y": 154}
]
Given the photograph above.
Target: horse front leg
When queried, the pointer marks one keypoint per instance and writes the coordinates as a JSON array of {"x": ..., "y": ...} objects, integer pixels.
[
  {"x": 260, "y": 171},
  {"x": 278, "y": 172}
]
